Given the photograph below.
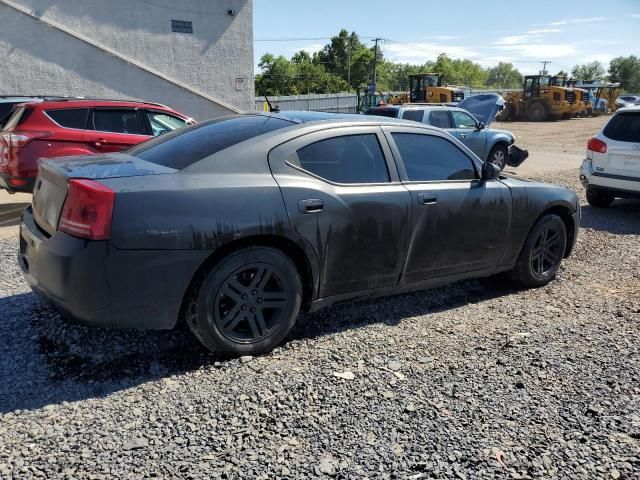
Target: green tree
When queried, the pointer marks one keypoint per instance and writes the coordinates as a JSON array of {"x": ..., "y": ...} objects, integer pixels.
[
  {"x": 626, "y": 70},
  {"x": 504, "y": 75},
  {"x": 590, "y": 71},
  {"x": 347, "y": 57}
]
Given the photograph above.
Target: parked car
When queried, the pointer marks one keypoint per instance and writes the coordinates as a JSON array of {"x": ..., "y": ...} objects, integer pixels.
[
  {"x": 468, "y": 121},
  {"x": 238, "y": 223},
  {"x": 612, "y": 167},
  {"x": 627, "y": 101},
  {"x": 65, "y": 127}
]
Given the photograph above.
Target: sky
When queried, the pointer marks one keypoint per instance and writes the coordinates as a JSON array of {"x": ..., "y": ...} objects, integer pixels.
[{"x": 566, "y": 32}]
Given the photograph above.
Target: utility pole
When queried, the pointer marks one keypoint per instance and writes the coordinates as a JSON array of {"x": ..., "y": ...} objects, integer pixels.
[
  {"x": 544, "y": 66},
  {"x": 375, "y": 65}
]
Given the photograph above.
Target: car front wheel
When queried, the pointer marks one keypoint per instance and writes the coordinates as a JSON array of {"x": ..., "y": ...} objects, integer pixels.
[
  {"x": 542, "y": 253},
  {"x": 247, "y": 303},
  {"x": 498, "y": 156}
]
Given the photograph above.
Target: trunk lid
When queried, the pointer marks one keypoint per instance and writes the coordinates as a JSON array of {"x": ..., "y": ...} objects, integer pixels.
[{"x": 50, "y": 189}]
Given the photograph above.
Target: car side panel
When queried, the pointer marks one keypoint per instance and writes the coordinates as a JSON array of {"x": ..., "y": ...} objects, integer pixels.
[{"x": 530, "y": 201}]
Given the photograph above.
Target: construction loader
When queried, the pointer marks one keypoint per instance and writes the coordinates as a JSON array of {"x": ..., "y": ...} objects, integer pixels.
[
  {"x": 428, "y": 88},
  {"x": 538, "y": 101}
]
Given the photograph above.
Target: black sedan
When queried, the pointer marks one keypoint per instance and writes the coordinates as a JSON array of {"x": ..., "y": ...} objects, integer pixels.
[{"x": 236, "y": 224}]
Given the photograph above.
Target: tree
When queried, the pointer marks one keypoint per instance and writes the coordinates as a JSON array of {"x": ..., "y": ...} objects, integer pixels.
[
  {"x": 348, "y": 58},
  {"x": 590, "y": 71},
  {"x": 626, "y": 70},
  {"x": 504, "y": 75}
]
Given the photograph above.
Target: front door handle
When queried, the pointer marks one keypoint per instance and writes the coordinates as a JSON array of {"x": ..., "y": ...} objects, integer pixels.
[
  {"x": 427, "y": 199},
  {"x": 312, "y": 205}
]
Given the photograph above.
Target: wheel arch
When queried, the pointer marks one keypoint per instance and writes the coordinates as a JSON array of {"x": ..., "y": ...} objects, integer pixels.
[{"x": 307, "y": 267}]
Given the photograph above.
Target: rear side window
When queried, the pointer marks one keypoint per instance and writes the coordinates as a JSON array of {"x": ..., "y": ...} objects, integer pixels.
[
  {"x": 440, "y": 119},
  {"x": 5, "y": 111},
  {"x": 116, "y": 121},
  {"x": 416, "y": 115},
  {"x": 624, "y": 127},
  {"x": 431, "y": 158},
  {"x": 346, "y": 159},
  {"x": 70, "y": 117},
  {"x": 186, "y": 146}
]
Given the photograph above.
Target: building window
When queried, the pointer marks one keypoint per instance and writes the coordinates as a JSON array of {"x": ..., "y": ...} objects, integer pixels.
[{"x": 181, "y": 26}]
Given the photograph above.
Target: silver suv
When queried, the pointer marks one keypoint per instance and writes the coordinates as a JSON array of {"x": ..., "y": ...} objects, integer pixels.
[{"x": 469, "y": 122}]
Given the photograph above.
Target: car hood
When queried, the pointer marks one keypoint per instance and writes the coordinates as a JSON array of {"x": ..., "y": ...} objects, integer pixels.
[{"x": 484, "y": 107}]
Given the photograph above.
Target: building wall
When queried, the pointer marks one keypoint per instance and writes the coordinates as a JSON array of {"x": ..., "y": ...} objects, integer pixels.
[{"x": 202, "y": 68}]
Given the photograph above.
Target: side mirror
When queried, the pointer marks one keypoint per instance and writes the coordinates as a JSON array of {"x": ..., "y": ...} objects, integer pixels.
[
  {"x": 490, "y": 171},
  {"x": 480, "y": 126}
]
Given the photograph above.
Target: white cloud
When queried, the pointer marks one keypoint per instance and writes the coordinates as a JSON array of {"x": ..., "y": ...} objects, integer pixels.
[
  {"x": 442, "y": 38},
  {"x": 544, "y": 30},
  {"x": 310, "y": 49},
  {"x": 540, "y": 50},
  {"x": 421, "y": 52},
  {"x": 635, "y": 15},
  {"x": 576, "y": 20},
  {"x": 514, "y": 40}
]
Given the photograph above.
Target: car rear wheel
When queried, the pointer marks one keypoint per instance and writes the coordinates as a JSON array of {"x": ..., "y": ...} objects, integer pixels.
[
  {"x": 498, "y": 156},
  {"x": 542, "y": 253},
  {"x": 247, "y": 303},
  {"x": 599, "y": 199}
]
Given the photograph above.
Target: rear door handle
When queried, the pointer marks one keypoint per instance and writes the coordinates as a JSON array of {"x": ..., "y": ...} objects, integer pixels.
[
  {"x": 100, "y": 142},
  {"x": 312, "y": 205},
  {"x": 427, "y": 199}
]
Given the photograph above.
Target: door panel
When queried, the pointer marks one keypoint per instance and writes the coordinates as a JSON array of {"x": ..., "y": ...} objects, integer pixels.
[
  {"x": 468, "y": 134},
  {"x": 459, "y": 223},
  {"x": 360, "y": 232},
  {"x": 457, "y": 227}
]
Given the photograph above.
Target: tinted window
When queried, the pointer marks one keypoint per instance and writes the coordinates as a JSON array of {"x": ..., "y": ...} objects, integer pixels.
[
  {"x": 70, "y": 117},
  {"x": 413, "y": 115},
  {"x": 427, "y": 157},
  {"x": 162, "y": 123},
  {"x": 624, "y": 127},
  {"x": 463, "y": 120},
  {"x": 383, "y": 112},
  {"x": 347, "y": 159},
  {"x": 5, "y": 111},
  {"x": 186, "y": 146},
  {"x": 116, "y": 121},
  {"x": 440, "y": 119},
  {"x": 17, "y": 117}
]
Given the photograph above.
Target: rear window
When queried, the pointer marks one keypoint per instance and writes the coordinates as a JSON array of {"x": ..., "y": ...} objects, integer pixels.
[
  {"x": 5, "y": 110},
  {"x": 383, "y": 112},
  {"x": 415, "y": 115},
  {"x": 186, "y": 146},
  {"x": 624, "y": 127},
  {"x": 116, "y": 121},
  {"x": 70, "y": 117}
]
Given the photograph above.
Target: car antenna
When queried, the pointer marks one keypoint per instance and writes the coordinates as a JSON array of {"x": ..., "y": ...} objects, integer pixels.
[{"x": 272, "y": 109}]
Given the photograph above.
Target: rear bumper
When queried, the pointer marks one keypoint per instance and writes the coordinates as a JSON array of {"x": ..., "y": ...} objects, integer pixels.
[
  {"x": 620, "y": 186},
  {"x": 92, "y": 283},
  {"x": 25, "y": 184}
]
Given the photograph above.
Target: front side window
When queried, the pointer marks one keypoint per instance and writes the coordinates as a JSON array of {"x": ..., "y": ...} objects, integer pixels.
[
  {"x": 463, "y": 120},
  {"x": 116, "y": 121},
  {"x": 346, "y": 159},
  {"x": 70, "y": 117},
  {"x": 162, "y": 123},
  {"x": 440, "y": 119},
  {"x": 415, "y": 115},
  {"x": 431, "y": 158}
]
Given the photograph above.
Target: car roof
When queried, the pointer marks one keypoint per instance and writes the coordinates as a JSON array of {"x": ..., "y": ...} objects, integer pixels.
[
  {"x": 51, "y": 102},
  {"x": 308, "y": 117}
]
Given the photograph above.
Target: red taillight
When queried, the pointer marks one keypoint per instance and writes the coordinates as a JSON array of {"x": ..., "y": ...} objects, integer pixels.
[
  {"x": 20, "y": 139},
  {"x": 87, "y": 210},
  {"x": 17, "y": 182},
  {"x": 597, "y": 145}
]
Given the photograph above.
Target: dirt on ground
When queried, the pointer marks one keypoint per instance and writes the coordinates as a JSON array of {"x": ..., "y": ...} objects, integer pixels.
[{"x": 561, "y": 136}]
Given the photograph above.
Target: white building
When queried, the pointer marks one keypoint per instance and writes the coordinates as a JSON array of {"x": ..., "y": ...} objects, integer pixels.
[{"x": 194, "y": 55}]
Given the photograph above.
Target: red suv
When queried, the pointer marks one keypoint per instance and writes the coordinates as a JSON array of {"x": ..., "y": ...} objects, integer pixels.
[{"x": 66, "y": 127}]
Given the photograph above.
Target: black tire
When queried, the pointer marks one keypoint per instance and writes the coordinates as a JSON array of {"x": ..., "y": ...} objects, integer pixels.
[
  {"x": 599, "y": 199},
  {"x": 247, "y": 303},
  {"x": 542, "y": 253},
  {"x": 498, "y": 156},
  {"x": 537, "y": 112}
]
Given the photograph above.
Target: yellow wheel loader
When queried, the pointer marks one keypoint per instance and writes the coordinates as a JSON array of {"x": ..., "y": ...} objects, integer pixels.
[
  {"x": 428, "y": 88},
  {"x": 538, "y": 101}
]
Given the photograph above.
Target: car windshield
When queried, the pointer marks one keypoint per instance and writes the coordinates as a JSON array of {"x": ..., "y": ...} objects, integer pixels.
[{"x": 186, "y": 146}]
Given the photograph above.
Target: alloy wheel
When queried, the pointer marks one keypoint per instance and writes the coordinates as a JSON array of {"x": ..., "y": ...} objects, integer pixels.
[
  {"x": 499, "y": 158},
  {"x": 251, "y": 303},
  {"x": 547, "y": 252}
]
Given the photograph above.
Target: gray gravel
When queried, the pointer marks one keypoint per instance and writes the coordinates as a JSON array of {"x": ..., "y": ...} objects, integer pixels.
[{"x": 474, "y": 380}]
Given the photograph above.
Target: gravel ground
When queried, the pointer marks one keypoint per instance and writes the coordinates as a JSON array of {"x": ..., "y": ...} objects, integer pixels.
[{"x": 474, "y": 380}]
